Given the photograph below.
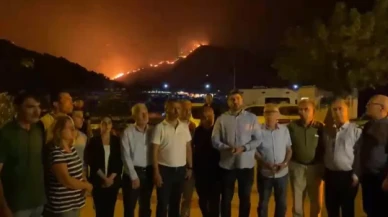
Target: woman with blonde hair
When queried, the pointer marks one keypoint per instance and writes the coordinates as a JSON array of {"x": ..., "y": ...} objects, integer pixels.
[
  {"x": 103, "y": 156},
  {"x": 66, "y": 185}
]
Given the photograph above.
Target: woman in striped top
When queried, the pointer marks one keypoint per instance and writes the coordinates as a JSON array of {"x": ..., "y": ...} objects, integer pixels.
[{"x": 66, "y": 186}]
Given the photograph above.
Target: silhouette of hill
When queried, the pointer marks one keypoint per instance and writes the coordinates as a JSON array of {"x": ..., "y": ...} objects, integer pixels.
[
  {"x": 209, "y": 65},
  {"x": 22, "y": 69}
]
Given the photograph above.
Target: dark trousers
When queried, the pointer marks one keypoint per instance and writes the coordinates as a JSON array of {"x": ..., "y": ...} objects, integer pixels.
[
  {"x": 142, "y": 194},
  {"x": 244, "y": 178},
  {"x": 339, "y": 193},
  {"x": 105, "y": 201},
  {"x": 264, "y": 187},
  {"x": 170, "y": 193},
  {"x": 208, "y": 189},
  {"x": 374, "y": 199}
]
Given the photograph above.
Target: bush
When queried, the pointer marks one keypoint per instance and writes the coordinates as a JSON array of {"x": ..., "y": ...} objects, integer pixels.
[{"x": 7, "y": 111}]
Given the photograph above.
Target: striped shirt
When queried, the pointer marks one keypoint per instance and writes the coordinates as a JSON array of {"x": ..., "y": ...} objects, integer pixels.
[{"x": 60, "y": 198}]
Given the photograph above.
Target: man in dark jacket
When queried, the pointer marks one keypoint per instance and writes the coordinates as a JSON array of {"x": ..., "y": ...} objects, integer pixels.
[
  {"x": 371, "y": 158},
  {"x": 205, "y": 165}
]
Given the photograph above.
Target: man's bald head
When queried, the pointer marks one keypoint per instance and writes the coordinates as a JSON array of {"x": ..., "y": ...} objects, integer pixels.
[
  {"x": 377, "y": 107},
  {"x": 340, "y": 111}
]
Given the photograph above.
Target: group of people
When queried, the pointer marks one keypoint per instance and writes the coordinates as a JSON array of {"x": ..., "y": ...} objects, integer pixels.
[{"x": 48, "y": 164}]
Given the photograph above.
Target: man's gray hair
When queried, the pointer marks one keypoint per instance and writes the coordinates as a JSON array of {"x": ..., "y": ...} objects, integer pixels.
[{"x": 136, "y": 108}]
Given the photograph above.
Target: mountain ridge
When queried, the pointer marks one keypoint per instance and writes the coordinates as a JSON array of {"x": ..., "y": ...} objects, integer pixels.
[
  {"x": 209, "y": 65},
  {"x": 27, "y": 69}
]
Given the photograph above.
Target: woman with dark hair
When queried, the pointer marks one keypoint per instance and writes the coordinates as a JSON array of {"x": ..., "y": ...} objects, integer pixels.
[
  {"x": 66, "y": 183},
  {"x": 103, "y": 156}
]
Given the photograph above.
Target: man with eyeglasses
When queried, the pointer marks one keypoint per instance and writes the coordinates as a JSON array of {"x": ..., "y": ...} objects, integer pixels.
[
  {"x": 341, "y": 183},
  {"x": 372, "y": 158}
]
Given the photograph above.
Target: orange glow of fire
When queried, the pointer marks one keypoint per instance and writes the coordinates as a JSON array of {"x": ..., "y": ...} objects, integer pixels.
[{"x": 163, "y": 62}]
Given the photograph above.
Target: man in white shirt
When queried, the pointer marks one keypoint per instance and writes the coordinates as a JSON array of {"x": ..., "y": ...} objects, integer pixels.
[
  {"x": 172, "y": 160},
  {"x": 341, "y": 183},
  {"x": 136, "y": 153}
]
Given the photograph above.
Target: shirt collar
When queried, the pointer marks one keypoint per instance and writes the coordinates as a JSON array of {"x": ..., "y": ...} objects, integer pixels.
[
  {"x": 301, "y": 123},
  {"x": 264, "y": 127},
  {"x": 242, "y": 112},
  {"x": 140, "y": 130},
  {"x": 165, "y": 122},
  {"x": 344, "y": 126}
]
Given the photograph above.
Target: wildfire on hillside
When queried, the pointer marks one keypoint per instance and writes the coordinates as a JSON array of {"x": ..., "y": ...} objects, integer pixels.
[{"x": 163, "y": 62}]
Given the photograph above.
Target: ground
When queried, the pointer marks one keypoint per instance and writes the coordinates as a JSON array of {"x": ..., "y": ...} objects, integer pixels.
[{"x": 88, "y": 210}]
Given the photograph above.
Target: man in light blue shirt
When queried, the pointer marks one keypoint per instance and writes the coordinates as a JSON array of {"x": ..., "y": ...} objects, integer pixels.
[
  {"x": 341, "y": 183},
  {"x": 136, "y": 154},
  {"x": 273, "y": 156},
  {"x": 236, "y": 135}
]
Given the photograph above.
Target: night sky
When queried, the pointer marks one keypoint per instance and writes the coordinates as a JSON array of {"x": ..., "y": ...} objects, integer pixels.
[{"x": 120, "y": 35}]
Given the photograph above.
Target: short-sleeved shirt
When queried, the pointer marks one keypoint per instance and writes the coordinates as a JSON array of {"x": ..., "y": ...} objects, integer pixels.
[
  {"x": 172, "y": 141},
  {"x": 273, "y": 148},
  {"x": 60, "y": 198},
  {"x": 22, "y": 174}
]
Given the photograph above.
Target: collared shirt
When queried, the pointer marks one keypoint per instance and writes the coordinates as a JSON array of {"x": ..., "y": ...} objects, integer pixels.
[
  {"x": 232, "y": 131},
  {"x": 273, "y": 148},
  {"x": 339, "y": 146},
  {"x": 307, "y": 142},
  {"x": 172, "y": 141},
  {"x": 136, "y": 149},
  {"x": 22, "y": 174}
]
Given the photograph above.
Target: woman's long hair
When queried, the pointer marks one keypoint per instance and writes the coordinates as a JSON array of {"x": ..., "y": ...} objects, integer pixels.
[{"x": 59, "y": 126}]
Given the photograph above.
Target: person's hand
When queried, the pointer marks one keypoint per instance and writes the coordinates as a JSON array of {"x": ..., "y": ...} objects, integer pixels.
[
  {"x": 89, "y": 187},
  {"x": 158, "y": 179},
  {"x": 354, "y": 180},
  {"x": 238, "y": 150},
  {"x": 385, "y": 184},
  {"x": 135, "y": 183},
  {"x": 280, "y": 167},
  {"x": 108, "y": 182},
  {"x": 269, "y": 166},
  {"x": 189, "y": 173}
]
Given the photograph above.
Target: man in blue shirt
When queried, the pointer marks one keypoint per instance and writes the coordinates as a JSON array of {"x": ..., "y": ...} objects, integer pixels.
[
  {"x": 236, "y": 135},
  {"x": 273, "y": 156}
]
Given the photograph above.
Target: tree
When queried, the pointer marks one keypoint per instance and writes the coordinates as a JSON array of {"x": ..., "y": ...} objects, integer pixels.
[
  {"x": 348, "y": 51},
  {"x": 7, "y": 111}
]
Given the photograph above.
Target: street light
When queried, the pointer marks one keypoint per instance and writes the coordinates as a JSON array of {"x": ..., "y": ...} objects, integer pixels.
[
  {"x": 207, "y": 86},
  {"x": 165, "y": 86},
  {"x": 295, "y": 86}
]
